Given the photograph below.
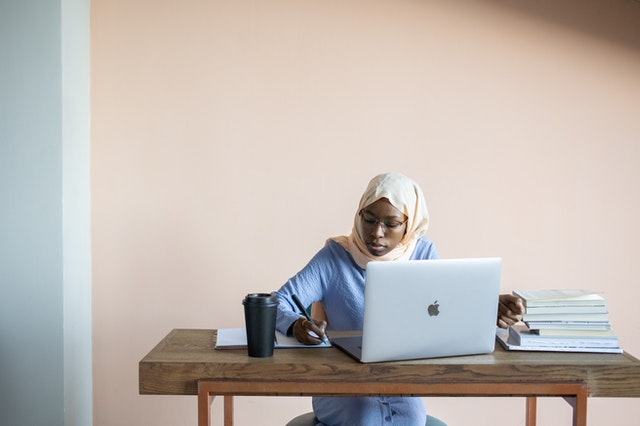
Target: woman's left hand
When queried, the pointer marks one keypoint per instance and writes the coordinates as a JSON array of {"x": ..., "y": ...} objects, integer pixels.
[{"x": 510, "y": 310}]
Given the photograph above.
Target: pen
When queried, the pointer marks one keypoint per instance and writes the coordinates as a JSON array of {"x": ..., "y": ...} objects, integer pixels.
[{"x": 306, "y": 315}]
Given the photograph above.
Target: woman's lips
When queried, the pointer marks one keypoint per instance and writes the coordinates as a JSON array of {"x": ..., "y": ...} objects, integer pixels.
[{"x": 376, "y": 248}]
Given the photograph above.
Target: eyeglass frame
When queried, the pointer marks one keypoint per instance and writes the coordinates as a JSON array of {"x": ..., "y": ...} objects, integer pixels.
[{"x": 385, "y": 224}]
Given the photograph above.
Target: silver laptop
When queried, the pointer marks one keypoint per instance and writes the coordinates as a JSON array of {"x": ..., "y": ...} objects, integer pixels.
[{"x": 426, "y": 309}]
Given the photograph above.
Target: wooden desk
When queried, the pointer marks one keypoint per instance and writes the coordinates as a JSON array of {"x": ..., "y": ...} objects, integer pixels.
[{"x": 185, "y": 363}]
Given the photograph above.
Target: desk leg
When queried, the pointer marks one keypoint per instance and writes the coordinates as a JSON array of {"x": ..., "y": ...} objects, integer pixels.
[
  {"x": 532, "y": 407},
  {"x": 580, "y": 410},
  {"x": 204, "y": 408},
  {"x": 228, "y": 410},
  {"x": 579, "y": 405}
]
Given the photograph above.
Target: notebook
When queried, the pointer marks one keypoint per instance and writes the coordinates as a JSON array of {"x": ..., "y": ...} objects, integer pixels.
[
  {"x": 236, "y": 338},
  {"x": 426, "y": 309}
]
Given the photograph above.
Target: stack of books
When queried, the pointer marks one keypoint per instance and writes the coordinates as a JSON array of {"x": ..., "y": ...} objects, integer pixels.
[{"x": 564, "y": 321}]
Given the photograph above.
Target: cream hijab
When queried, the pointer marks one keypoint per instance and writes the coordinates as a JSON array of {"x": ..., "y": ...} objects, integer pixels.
[{"x": 406, "y": 196}]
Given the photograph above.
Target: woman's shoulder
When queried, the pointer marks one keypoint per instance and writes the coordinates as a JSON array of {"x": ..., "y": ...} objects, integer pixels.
[
  {"x": 334, "y": 250},
  {"x": 331, "y": 258},
  {"x": 425, "y": 249}
]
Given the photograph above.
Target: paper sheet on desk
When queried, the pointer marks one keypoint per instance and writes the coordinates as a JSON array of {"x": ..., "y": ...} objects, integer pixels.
[
  {"x": 502, "y": 336},
  {"x": 236, "y": 338}
]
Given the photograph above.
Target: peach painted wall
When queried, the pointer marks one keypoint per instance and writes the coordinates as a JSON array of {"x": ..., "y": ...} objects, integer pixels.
[{"x": 231, "y": 138}]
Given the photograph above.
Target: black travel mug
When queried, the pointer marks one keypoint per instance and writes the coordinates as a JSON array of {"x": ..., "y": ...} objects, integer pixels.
[{"x": 260, "y": 320}]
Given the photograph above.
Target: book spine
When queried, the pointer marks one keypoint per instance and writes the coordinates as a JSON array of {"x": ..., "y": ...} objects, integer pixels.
[
  {"x": 565, "y": 317},
  {"x": 566, "y": 309},
  {"x": 568, "y": 325}
]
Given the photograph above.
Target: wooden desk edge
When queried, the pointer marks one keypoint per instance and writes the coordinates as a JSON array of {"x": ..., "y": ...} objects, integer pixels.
[{"x": 158, "y": 376}]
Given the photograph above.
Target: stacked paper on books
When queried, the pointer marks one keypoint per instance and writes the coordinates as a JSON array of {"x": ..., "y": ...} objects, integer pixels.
[
  {"x": 520, "y": 338},
  {"x": 563, "y": 320},
  {"x": 564, "y": 309},
  {"x": 555, "y": 297},
  {"x": 523, "y": 336}
]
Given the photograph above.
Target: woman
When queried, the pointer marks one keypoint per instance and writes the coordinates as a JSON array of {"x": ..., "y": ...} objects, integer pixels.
[{"x": 390, "y": 224}]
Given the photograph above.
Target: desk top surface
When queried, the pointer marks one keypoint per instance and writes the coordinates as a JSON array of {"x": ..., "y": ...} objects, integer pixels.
[{"x": 183, "y": 357}]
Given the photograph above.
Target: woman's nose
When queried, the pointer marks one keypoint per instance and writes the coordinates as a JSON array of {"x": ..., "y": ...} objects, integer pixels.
[{"x": 378, "y": 230}]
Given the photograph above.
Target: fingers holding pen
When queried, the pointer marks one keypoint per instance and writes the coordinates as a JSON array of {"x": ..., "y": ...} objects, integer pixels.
[{"x": 309, "y": 332}]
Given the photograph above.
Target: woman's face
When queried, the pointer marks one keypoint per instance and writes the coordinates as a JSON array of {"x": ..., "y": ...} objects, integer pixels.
[{"x": 383, "y": 227}]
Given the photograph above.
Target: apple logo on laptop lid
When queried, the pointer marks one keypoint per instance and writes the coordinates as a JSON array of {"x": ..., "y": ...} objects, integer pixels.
[{"x": 433, "y": 309}]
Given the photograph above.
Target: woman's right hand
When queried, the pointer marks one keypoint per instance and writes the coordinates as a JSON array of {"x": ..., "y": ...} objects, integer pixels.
[{"x": 309, "y": 332}]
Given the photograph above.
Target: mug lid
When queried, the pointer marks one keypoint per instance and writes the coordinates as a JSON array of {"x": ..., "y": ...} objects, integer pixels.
[{"x": 260, "y": 299}]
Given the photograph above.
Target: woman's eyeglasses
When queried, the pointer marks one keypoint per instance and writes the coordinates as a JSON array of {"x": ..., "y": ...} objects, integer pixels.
[{"x": 370, "y": 220}]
